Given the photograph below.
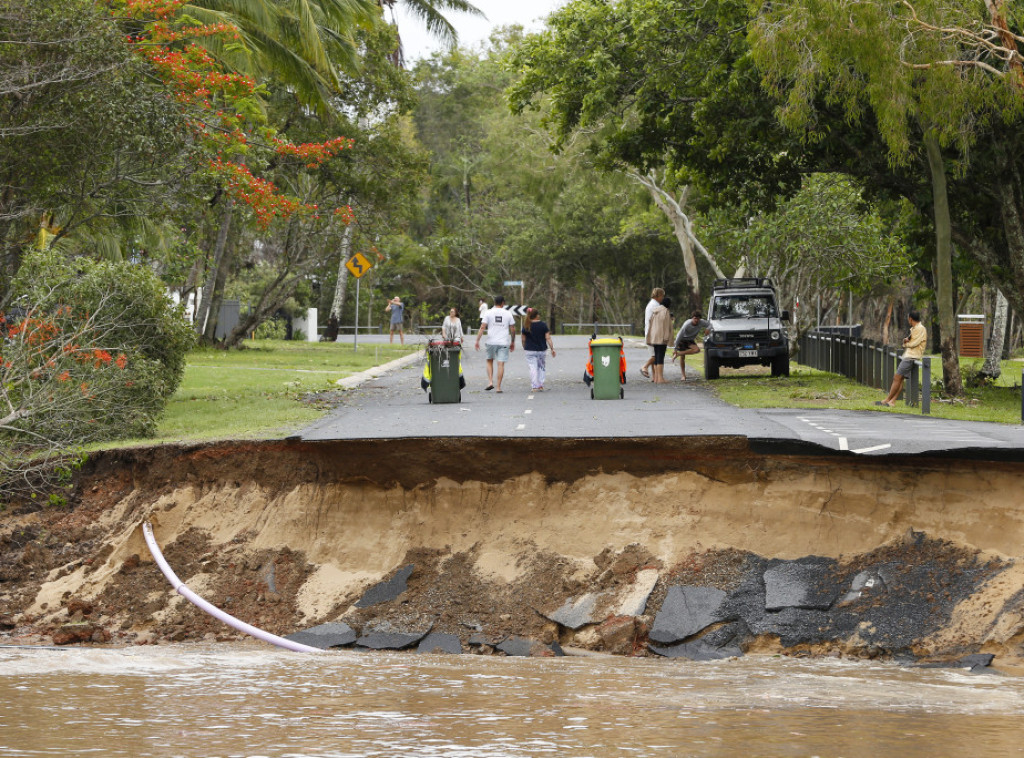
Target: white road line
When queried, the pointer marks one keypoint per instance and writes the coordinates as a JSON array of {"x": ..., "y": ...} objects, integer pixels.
[
  {"x": 520, "y": 427},
  {"x": 528, "y": 412},
  {"x": 872, "y": 449},
  {"x": 843, "y": 445},
  {"x": 529, "y": 397}
]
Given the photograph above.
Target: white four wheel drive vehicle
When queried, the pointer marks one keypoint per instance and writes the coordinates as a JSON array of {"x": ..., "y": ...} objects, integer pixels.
[{"x": 746, "y": 327}]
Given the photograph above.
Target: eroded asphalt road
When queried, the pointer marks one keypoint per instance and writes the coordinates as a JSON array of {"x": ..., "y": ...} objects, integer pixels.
[{"x": 393, "y": 405}]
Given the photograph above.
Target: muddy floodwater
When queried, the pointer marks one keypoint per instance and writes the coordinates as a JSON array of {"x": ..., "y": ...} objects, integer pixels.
[{"x": 243, "y": 700}]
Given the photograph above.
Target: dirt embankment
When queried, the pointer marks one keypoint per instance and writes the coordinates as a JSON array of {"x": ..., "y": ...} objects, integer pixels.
[{"x": 690, "y": 547}]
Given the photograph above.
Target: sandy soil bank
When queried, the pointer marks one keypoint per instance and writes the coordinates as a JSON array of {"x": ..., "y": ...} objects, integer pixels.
[{"x": 290, "y": 535}]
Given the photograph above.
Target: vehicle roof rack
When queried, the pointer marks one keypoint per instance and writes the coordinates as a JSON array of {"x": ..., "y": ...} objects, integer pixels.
[{"x": 743, "y": 283}]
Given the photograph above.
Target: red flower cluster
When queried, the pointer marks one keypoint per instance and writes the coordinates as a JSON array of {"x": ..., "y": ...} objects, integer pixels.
[
  {"x": 197, "y": 83},
  {"x": 314, "y": 153},
  {"x": 157, "y": 8},
  {"x": 194, "y": 79},
  {"x": 259, "y": 194},
  {"x": 162, "y": 33}
]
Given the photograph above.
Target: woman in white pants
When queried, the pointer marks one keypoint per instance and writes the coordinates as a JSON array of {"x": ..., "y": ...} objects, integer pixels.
[{"x": 536, "y": 340}]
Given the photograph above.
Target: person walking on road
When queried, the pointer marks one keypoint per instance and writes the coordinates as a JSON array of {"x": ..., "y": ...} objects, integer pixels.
[
  {"x": 659, "y": 333},
  {"x": 913, "y": 351},
  {"x": 501, "y": 330},
  {"x": 686, "y": 339},
  {"x": 536, "y": 341},
  {"x": 657, "y": 295},
  {"x": 397, "y": 311},
  {"x": 451, "y": 328}
]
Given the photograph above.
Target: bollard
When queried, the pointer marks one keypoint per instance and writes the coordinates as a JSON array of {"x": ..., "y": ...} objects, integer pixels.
[
  {"x": 926, "y": 386},
  {"x": 910, "y": 391}
]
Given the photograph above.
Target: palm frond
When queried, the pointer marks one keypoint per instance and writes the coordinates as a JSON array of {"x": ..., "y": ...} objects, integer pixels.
[{"x": 431, "y": 14}]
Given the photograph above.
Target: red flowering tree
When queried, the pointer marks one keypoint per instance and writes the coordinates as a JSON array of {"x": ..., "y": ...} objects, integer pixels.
[
  {"x": 223, "y": 107},
  {"x": 93, "y": 353}
]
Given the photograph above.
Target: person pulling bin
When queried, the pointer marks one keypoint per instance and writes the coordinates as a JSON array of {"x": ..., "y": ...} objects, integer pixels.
[
  {"x": 606, "y": 369},
  {"x": 442, "y": 379}
]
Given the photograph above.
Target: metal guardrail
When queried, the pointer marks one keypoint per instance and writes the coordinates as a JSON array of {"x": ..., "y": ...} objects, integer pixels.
[
  {"x": 596, "y": 326},
  {"x": 867, "y": 362},
  {"x": 348, "y": 329}
]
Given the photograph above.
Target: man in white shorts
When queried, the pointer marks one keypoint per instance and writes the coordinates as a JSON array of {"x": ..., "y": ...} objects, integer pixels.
[{"x": 501, "y": 330}]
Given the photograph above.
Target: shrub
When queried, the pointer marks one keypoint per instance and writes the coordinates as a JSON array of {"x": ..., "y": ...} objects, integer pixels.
[{"x": 93, "y": 352}]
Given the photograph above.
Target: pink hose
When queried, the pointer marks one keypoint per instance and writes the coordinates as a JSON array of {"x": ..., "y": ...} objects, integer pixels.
[{"x": 213, "y": 610}]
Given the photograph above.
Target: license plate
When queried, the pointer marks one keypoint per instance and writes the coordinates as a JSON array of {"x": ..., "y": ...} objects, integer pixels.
[{"x": 748, "y": 353}]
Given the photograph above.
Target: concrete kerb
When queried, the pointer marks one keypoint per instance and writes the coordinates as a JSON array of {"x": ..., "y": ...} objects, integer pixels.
[{"x": 351, "y": 382}]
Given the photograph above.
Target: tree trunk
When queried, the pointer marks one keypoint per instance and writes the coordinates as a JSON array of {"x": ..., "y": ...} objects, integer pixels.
[
  {"x": 673, "y": 209},
  {"x": 943, "y": 266},
  {"x": 552, "y": 301},
  {"x": 340, "y": 287},
  {"x": 275, "y": 293},
  {"x": 994, "y": 353},
  {"x": 203, "y": 312},
  {"x": 219, "y": 282}
]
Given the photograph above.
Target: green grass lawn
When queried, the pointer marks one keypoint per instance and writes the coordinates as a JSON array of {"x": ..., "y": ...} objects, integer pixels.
[
  {"x": 809, "y": 388},
  {"x": 257, "y": 392}
]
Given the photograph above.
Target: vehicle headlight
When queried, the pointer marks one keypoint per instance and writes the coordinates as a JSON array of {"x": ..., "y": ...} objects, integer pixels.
[
  {"x": 775, "y": 335},
  {"x": 712, "y": 337}
]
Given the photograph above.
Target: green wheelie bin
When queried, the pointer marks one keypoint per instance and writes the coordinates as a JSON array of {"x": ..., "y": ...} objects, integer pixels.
[
  {"x": 443, "y": 372},
  {"x": 608, "y": 361}
]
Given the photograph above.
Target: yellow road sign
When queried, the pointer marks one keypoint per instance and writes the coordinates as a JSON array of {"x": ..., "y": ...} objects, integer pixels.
[{"x": 358, "y": 265}]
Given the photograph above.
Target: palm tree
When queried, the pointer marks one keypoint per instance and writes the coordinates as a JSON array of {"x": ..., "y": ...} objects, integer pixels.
[
  {"x": 430, "y": 13},
  {"x": 305, "y": 43}
]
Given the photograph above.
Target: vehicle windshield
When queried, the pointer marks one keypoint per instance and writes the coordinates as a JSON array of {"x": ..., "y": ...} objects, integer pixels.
[{"x": 744, "y": 306}]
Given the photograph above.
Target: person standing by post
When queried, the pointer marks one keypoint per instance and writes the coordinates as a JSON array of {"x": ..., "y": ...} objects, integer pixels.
[
  {"x": 657, "y": 295},
  {"x": 686, "y": 339},
  {"x": 913, "y": 351},
  {"x": 501, "y": 330},
  {"x": 659, "y": 334},
  {"x": 397, "y": 311},
  {"x": 536, "y": 341}
]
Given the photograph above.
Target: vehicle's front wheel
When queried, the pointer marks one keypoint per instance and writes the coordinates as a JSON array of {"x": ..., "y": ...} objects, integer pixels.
[
  {"x": 710, "y": 367},
  {"x": 780, "y": 365}
]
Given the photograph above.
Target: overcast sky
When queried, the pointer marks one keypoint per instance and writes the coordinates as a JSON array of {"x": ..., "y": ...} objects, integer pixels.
[{"x": 474, "y": 30}]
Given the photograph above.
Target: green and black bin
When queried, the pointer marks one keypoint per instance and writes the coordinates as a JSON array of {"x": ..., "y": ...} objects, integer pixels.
[
  {"x": 442, "y": 374},
  {"x": 606, "y": 369}
]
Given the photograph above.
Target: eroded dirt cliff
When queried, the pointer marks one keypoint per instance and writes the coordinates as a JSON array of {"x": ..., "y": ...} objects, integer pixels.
[{"x": 804, "y": 554}]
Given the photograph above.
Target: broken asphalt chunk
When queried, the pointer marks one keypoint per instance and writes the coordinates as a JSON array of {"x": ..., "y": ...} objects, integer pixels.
[
  {"x": 574, "y": 615},
  {"x": 686, "y": 611},
  {"x": 866, "y": 582},
  {"x": 386, "y": 591},
  {"x": 389, "y": 640},
  {"x": 795, "y": 584},
  {"x": 324, "y": 636},
  {"x": 634, "y": 601},
  {"x": 720, "y": 643},
  {"x": 439, "y": 642}
]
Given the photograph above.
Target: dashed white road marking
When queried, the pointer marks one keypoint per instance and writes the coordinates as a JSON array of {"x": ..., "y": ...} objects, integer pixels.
[
  {"x": 529, "y": 397},
  {"x": 843, "y": 445},
  {"x": 528, "y": 412},
  {"x": 863, "y": 450},
  {"x": 520, "y": 427}
]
